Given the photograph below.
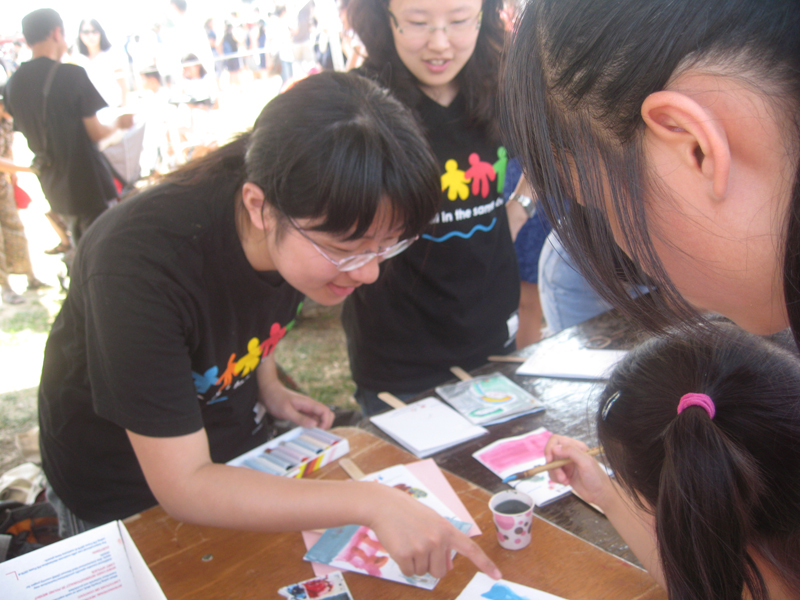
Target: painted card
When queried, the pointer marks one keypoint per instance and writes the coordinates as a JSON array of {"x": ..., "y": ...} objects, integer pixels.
[
  {"x": 483, "y": 587},
  {"x": 489, "y": 399},
  {"x": 356, "y": 548},
  {"x": 515, "y": 454},
  {"x": 331, "y": 586}
]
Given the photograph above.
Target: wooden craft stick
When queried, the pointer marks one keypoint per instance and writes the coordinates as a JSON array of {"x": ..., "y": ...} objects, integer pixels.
[
  {"x": 391, "y": 400},
  {"x": 351, "y": 468},
  {"x": 508, "y": 359},
  {"x": 460, "y": 373},
  {"x": 551, "y": 465}
]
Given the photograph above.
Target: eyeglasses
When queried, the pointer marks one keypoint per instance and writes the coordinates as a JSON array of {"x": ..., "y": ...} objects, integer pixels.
[
  {"x": 420, "y": 30},
  {"x": 351, "y": 263},
  {"x": 89, "y": 31}
]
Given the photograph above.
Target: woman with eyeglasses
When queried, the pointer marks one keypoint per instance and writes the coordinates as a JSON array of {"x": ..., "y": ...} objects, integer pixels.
[
  {"x": 104, "y": 65},
  {"x": 160, "y": 366},
  {"x": 451, "y": 299}
]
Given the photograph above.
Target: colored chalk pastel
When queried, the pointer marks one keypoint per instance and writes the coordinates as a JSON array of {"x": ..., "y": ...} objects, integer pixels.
[
  {"x": 308, "y": 446},
  {"x": 297, "y": 455},
  {"x": 281, "y": 452},
  {"x": 301, "y": 449},
  {"x": 269, "y": 455},
  {"x": 260, "y": 464},
  {"x": 322, "y": 436},
  {"x": 314, "y": 442}
]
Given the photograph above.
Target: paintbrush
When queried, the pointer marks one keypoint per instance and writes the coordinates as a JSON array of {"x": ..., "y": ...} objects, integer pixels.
[{"x": 549, "y": 466}]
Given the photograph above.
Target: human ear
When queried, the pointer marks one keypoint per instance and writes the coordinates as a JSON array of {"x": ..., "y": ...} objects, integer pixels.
[
  {"x": 253, "y": 200},
  {"x": 693, "y": 133}
]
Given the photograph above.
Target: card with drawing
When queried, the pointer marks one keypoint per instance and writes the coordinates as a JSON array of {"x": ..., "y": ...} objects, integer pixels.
[
  {"x": 489, "y": 399},
  {"x": 331, "y": 586},
  {"x": 512, "y": 455},
  {"x": 356, "y": 548}
]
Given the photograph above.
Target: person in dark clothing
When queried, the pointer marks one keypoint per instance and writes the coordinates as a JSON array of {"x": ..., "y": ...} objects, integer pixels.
[
  {"x": 54, "y": 105},
  {"x": 160, "y": 366}
]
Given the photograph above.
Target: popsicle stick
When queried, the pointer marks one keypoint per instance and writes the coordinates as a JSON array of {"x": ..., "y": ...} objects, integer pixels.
[
  {"x": 391, "y": 400},
  {"x": 351, "y": 468},
  {"x": 507, "y": 359},
  {"x": 460, "y": 373}
]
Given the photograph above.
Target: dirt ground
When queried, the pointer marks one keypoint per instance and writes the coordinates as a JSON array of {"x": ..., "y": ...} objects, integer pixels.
[{"x": 24, "y": 327}]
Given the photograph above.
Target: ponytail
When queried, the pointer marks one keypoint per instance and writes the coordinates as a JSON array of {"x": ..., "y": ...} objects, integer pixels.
[{"x": 707, "y": 491}]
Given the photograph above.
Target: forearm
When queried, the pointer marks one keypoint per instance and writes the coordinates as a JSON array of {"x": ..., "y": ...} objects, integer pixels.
[
  {"x": 7, "y": 166},
  {"x": 240, "y": 498},
  {"x": 637, "y": 528}
]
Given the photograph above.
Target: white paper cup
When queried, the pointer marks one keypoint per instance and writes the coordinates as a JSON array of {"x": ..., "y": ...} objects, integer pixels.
[{"x": 513, "y": 517}]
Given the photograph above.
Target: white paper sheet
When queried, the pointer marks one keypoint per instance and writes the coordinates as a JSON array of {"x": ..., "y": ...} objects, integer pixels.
[
  {"x": 578, "y": 364},
  {"x": 100, "y": 563}
]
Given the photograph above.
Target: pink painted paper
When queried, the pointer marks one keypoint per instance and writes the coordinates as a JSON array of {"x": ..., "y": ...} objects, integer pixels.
[{"x": 506, "y": 455}]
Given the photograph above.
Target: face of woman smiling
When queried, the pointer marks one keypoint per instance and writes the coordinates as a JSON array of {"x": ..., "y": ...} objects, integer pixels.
[
  {"x": 435, "y": 57},
  {"x": 270, "y": 245}
]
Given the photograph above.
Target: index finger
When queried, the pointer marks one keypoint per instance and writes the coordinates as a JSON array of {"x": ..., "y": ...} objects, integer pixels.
[{"x": 463, "y": 545}]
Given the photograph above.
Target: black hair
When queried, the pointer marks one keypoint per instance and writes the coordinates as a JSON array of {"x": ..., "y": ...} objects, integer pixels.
[
  {"x": 578, "y": 73},
  {"x": 720, "y": 488},
  {"x": 104, "y": 43},
  {"x": 479, "y": 80},
  {"x": 191, "y": 60},
  {"x": 179, "y": 4},
  {"x": 39, "y": 24},
  {"x": 332, "y": 147}
]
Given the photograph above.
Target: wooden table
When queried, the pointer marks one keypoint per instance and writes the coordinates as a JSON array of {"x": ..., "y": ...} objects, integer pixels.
[
  {"x": 570, "y": 410},
  {"x": 192, "y": 562}
]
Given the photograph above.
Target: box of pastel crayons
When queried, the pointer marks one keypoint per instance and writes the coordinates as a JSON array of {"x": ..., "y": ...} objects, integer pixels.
[{"x": 296, "y": 453}]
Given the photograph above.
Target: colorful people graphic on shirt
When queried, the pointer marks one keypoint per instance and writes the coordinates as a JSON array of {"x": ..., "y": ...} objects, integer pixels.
[
  {"x": 500, "y": 168},
  {"x": 276, "y": 333},
  {"x": 480, "y": 173},
  {"x": 237, "y": 371},
  {"x": 455, "y": 180},
  {"x": 249, "y": 361}
]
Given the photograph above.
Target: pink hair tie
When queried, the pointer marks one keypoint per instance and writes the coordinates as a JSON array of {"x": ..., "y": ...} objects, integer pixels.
[{"x": 702, "y": 400}]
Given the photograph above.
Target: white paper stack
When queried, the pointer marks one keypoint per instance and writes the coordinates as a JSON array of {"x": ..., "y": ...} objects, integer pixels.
[
  {"x": 578, "y": 364},
  {"x": 427, "y": 427}
]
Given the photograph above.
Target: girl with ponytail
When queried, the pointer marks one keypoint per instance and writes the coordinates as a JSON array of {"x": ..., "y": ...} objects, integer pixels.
[{"x": 702, "y": 434}]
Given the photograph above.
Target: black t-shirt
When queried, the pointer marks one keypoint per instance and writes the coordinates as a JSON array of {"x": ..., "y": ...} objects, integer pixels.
[
  {"x": 78, "y": 182},
  {"x": 161, "y": 332},
  {"x": 451, "y": 298}
]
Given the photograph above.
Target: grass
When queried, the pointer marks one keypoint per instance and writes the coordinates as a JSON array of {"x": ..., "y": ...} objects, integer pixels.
[
  {"x": 34, "y": 319},
  {"x": 315, "y": 356}
]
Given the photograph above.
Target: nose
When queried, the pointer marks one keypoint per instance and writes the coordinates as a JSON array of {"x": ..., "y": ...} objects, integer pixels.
[
  {"x": 438, "y": 39},
  {"x": 367, "y": 273}
]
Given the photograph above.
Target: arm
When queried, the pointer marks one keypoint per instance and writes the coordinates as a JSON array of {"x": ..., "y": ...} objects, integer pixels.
[
  {"x": 584, "y": 474},
  {"x": 7, "y": 166},
  {"x": 517, "y": 214},
  {"x": 191, "y": 488},
  {"x": 98, "y": 131}
]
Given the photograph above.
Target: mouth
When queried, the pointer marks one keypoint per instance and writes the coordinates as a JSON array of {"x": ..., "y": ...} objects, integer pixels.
[
  {"x": 341, "y": 290},
  {"x": 437, "y": 65}
]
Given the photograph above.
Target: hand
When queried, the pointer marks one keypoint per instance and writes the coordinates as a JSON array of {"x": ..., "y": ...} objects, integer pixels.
[
  {"x": 284, "y": 403},
  {"x": 13, "y": 177},
  {"x": 584, "y": 473},
  {"x": 125, "y": 121},
  {"x": 418, "y": 539}
]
